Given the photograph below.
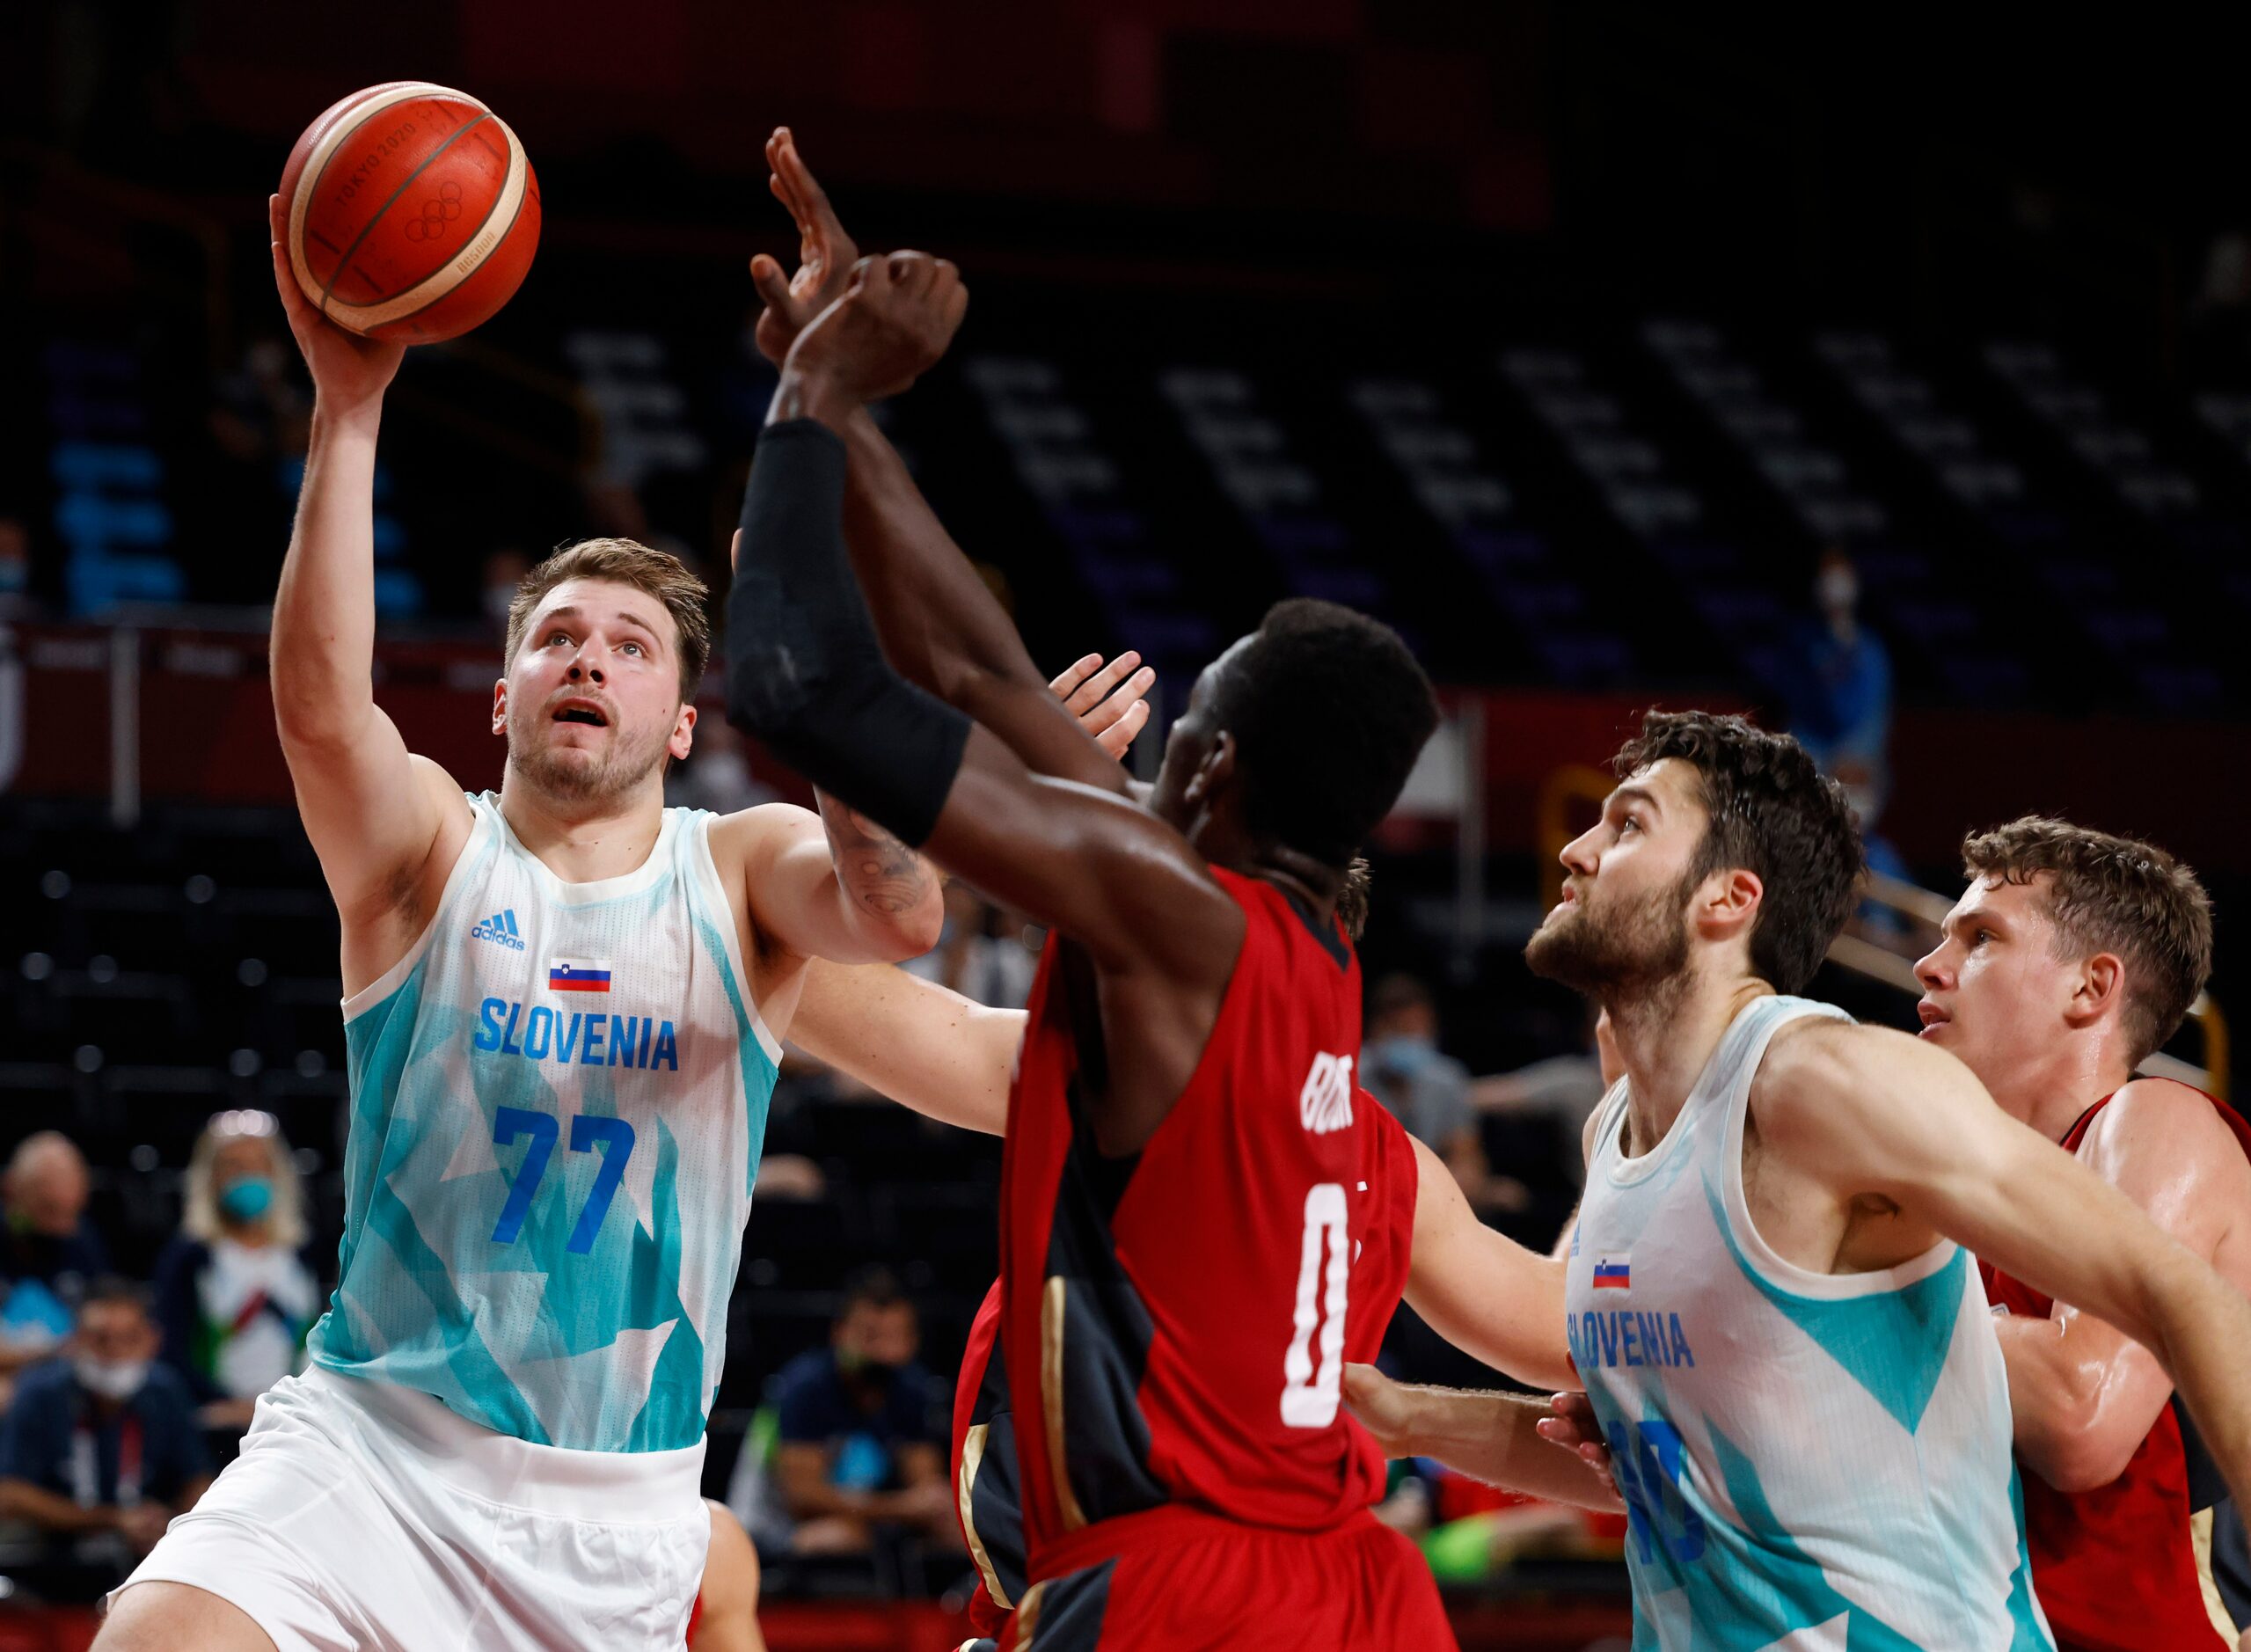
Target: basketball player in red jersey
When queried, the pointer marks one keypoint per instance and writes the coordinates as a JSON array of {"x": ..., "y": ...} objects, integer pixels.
[
  {"x": 2072, "y": 956},
  {"x": 1185, "y": 1173}
]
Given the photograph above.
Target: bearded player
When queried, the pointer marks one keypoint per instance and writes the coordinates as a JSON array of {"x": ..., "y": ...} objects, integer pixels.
[
  {"x": 1769, "y": 1297},
  {"x": 2070, "y": 958},
  {"x": 562, "y": 1004},
  {"x": 1184, "y": 1088}
]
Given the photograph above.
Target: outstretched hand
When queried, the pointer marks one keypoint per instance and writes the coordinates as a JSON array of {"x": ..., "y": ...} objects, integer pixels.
[
  {"x": 1379, "y": 1405},
  {"x": 1107, "y": 700},
  {"x": 891, "y": 325},
  {"x": 347, "y": 370},
  {"x": 825, "y": 253},
  {"x": 1575, "y": 1428}
]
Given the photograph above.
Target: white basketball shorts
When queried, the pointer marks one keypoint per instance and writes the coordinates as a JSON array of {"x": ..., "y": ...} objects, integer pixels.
[{"x": 361, "y": 1514}]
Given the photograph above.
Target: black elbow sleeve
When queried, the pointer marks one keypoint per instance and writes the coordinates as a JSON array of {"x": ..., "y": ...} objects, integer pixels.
[{"x": 804, "y": 671}]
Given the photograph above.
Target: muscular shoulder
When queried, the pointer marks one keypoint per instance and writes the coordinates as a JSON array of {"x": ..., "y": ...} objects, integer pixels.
[
  {"x": 2164, "y": 1146},
  {"x": 1813, "y": 1059},
  {"x": 1834, "y": 1093},
  {"x": 2157, "y": 1113},
  {"x": 749, "y": 835}
]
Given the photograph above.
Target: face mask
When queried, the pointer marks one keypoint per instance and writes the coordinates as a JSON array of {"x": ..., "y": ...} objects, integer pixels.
[
  {"x": 111, "y": 1379},
  {"x": 856, "y": 1365},
  {"x": 1401, "y": 1053},
  {"x": 247, "y": 1200},
  {"x": 1837, "y": 591}
]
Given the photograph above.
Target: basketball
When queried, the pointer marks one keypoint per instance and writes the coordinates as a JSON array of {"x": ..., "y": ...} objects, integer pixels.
[{"x": 412, "y": 212}]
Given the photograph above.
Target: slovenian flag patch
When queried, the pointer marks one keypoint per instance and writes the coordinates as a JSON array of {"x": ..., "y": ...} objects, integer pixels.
[
  {"x": 1614, "y": 1276},
  {"x": 577, "y": 975}
]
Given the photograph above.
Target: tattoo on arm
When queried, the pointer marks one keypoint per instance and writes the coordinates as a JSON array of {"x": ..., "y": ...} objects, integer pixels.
[{"x": 880, "y": 872}]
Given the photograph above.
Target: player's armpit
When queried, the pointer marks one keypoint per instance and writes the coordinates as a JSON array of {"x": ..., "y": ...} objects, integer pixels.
[
  {"x": 1875, "y": 1111},
  {"x": 1104, "y": 871},
  {"x": 1163, "y": 935},
  {"x": 829, "y": 887},
  {"x": 922, "y": 1044},
  {"x": 386, "y": 839},
  {"x": 1482, "y": 1292}
]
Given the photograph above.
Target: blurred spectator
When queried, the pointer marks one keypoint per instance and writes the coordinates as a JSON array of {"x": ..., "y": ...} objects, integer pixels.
[
  {"x": 234, "y": 1293},
  {"x": 1564, "y": 1088},
  {"x": 979, "y": 955},
  {"x": 504, "y": 571},
  {"x": 716, "y": 775},
  {"x": 49, "y": 1252},
  {"x": 1426, "y": 1089},
  {"x": 98, "y": 1452},
  {"x": 863, "y": 1430},
  {"x": 260, "y": 414},
  {"x": 1842, "y": 709}
]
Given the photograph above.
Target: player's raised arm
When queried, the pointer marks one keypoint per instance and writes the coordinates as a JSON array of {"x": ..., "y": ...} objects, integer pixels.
[
  {"x": 1877, "y": 1113},
  {"x": 925, "y": 1046},
  {"x": 806, "y": 674},
  {"x": 833, "y": 885},
  {"x": 375, "y": 815},
  {"x": 939, "y": 625}
]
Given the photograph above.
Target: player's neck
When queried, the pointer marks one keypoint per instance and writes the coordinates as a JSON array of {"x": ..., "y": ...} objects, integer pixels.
[
  {"x": 1311, "y": 883},
  {"x": 584, "y": 843},
  {"x": 1666, "y": 1037},
  {"x": 2049, "y": 1093}
]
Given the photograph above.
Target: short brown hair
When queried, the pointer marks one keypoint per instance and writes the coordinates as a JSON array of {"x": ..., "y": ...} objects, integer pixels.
[
  {"x": 2117, "y": 894},
  {"x": 626, "y": 562},
  {"x": 1773, "y": 812}
]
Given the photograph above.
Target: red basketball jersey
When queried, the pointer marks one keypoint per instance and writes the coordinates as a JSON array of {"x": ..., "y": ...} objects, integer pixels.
[
  {"x": 1175, "y": 1324},
  {"x": 2117, "y": 1567},
  {"x": 985, "y": 1481}
]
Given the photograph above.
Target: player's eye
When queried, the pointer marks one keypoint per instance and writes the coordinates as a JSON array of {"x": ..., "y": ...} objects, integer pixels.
[
  {"x": 1978, "y": 938},
  {"x": 633, "y": 649},
  {"x": 555, "y": 637},
  {"x": 1629, "y": 824}
]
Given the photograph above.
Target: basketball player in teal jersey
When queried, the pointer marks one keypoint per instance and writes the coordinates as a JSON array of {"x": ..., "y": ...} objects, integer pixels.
[
  {"x": 562, "y": 1007},
  {"x": 1770, "y": 1298}
]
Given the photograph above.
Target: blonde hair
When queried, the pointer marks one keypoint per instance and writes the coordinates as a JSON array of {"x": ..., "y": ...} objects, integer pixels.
[
  {"x": 286, "y": 1218},
  {"x": 626, "y": 562}
]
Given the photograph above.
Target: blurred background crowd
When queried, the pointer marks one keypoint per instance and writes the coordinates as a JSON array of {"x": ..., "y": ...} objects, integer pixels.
[{"x": 1897, "y": 389}]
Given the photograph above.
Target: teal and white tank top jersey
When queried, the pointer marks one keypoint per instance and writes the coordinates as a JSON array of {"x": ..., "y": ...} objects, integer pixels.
[
  {"x": 558, "y": 1098},
  {"x": 1811, "y": 1461}
]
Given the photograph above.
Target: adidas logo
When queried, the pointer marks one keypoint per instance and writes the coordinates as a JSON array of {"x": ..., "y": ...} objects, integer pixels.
[
  {"x": 1326, "y": 1102},
  {"x": 500, "y": 929}
]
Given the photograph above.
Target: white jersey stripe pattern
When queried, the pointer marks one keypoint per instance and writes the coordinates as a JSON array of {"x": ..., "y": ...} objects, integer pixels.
[
  {"x": 1810, "y": 1460},
  {"x": 558, "y": 1098}
]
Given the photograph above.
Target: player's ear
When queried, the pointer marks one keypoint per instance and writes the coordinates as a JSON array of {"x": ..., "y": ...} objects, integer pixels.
[
  {"x": 1217, "y": 772},
  {"x": 683, "y": 731},
  {"x": 2101, "y": 985},
  {"x": 1728, "y": 902},
  {"x": 500, "y": 706}
]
